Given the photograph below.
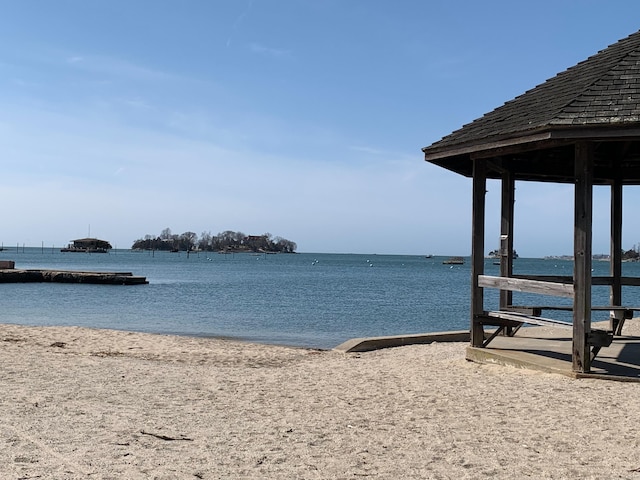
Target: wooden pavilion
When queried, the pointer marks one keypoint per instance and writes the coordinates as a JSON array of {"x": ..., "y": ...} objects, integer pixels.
[{"x": 580, "y": 127}]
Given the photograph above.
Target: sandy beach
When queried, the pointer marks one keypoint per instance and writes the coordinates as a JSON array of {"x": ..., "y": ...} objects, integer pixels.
[{"x": 83, "y": 403}]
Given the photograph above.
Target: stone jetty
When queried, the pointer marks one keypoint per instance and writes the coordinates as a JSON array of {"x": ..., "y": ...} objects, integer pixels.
[{"x": 9, "y": 274}]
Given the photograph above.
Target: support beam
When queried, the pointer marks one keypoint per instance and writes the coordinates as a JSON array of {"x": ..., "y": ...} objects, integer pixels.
[
  {"x": 506, "y": 235},
  {"x": 477, "y": 250},
  {"x": 615, "y": 268},
  {"x": 582, "y": 246}
]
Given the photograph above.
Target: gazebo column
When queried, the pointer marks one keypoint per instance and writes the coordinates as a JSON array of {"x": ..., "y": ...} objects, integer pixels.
[
  {"x": 582, "y": 245},
  {"x": 506, "y": 235},
  {"x": 615, "y": 254},
  {"x": 477, "y": 249}
]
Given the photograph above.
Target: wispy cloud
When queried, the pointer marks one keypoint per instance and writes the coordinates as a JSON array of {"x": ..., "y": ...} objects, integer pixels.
[
  {"x": 24, "y": 83},
  {"x": 116, "y": 67},
  {"x": 268, "y": 51},
  {"x": 136, "y": 103},
  {"x": 368, "y": 150},
  {"x": 238, "y": 21}
]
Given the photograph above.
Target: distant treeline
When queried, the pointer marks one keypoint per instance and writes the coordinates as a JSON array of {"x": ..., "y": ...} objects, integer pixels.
[{"x": 227, "y": 241}]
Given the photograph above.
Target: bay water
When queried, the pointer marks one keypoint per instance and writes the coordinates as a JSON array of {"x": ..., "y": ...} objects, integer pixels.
[{"x": 307, "y": 300}]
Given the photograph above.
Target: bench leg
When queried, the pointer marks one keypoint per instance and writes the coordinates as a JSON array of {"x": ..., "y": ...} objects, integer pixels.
[
  {"x": 498, "y": 331},
  {"x": 616, "y": 321}
]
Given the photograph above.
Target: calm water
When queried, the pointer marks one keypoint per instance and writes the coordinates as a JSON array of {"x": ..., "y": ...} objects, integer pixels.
[{"x": 310, "y": 300}]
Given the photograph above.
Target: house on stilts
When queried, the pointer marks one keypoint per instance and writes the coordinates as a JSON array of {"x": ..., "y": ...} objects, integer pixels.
[
  {"x": 581, "y": 127},
  {"x": 88, "y": 245}
]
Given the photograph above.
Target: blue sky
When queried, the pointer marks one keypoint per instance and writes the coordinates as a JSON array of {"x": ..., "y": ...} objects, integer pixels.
[{"x": 304, "y": 119}]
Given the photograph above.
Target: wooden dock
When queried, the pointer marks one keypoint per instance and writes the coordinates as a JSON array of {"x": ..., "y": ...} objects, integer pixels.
[{"x": 12, "y": 275}]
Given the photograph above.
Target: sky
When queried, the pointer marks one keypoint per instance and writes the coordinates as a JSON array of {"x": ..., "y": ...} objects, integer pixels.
[{"x": 304, "y": 119}]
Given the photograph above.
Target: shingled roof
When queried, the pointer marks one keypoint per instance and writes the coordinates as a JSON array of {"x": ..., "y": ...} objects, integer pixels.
[{"x": 597, "y": 99}]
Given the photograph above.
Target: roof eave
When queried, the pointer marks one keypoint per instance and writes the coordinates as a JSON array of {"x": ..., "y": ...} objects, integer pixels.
[
  {"x": 487, "y": 143},
  {"x": 483, "y": 147}
]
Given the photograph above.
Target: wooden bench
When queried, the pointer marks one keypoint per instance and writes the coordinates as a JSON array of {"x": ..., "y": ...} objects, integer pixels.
[
  {"x": 509, "y": 319},
  {"x": 596, "y": 338},
  {"x": 621, "y": 313}
]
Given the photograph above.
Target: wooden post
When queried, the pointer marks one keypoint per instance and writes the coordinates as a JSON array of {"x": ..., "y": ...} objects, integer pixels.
[
  {"x": 506, "y": 235},
  {"x": 582, "y": 238},
  {"x": 477, "y": 249},
  {"x": 615, "y": 254}
]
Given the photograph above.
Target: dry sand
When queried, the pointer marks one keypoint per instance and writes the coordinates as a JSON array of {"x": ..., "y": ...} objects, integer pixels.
[{"x": 83, "y": 403}]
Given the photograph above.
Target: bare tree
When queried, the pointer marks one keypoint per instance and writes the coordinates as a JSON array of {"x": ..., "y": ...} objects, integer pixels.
[
  {"x": 188, "y": 240},
  {"x": 205, "y": 242}
]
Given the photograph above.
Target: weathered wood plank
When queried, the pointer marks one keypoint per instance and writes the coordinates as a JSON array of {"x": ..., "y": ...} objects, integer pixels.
[
  {"x": 530, "y": 319},
  {"x": 582, "y": 252},
  {"x": 529, "y": 286},
  {"x": 534, "y": 311},
  {"x": 615, "y": 267},
  {"x": 477, "y": 249},
  {"x": 547, "y": 278},
  {"x": 596, "y": 338},
  {"x": 604, "y": 281},
  {"x": 566, "y": 280},
  {"x": 569, "y": 308},
  {"x": 506, "y": 234}
]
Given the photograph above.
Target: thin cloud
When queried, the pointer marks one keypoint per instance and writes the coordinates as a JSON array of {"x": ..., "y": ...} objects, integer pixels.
[
  {"x": 238, "y": 21},
  {"x": 389, "y": 157},
  {"x": 136, "y": 103},
  {"x": 369, "y": 150},
  {"x": 268, "y": 51},
  {"x": 116, "y": 67},
  {"x": 24, "y": 83}
]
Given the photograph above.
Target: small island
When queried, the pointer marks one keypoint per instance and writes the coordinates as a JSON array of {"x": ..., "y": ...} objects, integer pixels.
[{"x": 225, "y": 242}]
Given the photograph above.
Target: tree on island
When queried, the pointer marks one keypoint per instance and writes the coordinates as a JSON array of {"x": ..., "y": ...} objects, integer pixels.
[
  {"x": 631, "y": 255},
  {"x": 496, "y": 254},
  {"x": 227, "y": 241}
]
